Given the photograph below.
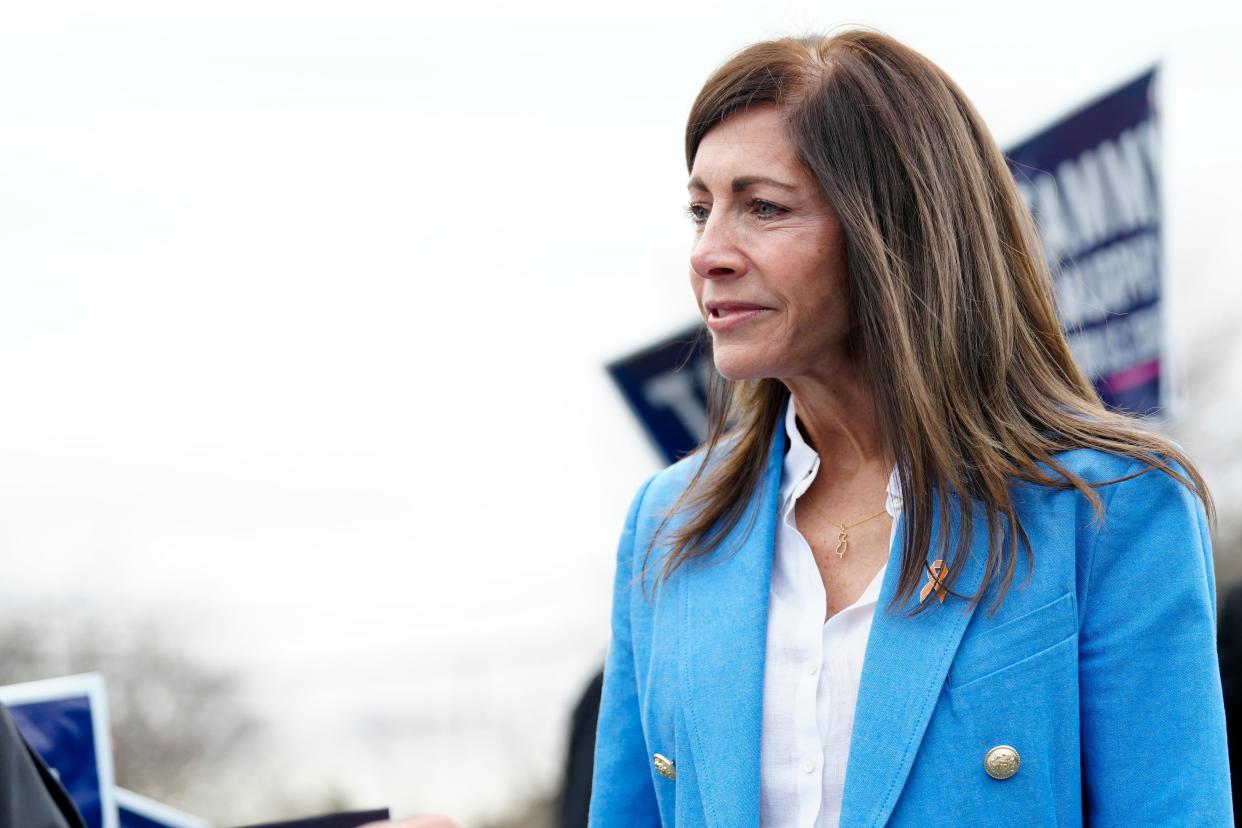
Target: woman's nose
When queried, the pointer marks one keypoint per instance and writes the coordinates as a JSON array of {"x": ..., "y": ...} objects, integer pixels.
[{"x": 716, "y": 253}]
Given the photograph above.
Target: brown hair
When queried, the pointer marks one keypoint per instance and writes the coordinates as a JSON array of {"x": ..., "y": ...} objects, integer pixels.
[{"x": 943, "y": 259}]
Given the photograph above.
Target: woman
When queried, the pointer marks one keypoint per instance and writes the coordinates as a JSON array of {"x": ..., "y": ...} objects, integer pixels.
[{"x": 904, "y": 463}]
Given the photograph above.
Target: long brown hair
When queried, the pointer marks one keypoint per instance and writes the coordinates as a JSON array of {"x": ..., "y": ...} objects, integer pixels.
[{"x": 951, "y": 303}]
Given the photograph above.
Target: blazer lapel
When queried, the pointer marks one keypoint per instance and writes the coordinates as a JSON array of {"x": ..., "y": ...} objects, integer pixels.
[
  {"x": 903, "y": 671},
  {"x": 724, "y": 640}
]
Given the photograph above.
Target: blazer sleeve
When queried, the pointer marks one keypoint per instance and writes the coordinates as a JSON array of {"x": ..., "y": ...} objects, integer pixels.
[
  {"x": 1152, "y": 718},
  {"x": 622, "y": 789}
]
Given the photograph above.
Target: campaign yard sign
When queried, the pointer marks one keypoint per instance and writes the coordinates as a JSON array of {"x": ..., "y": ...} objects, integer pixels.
[
  {"x": 1092, "y": 182},
  {"x": 138, "y": 811},
  {"x": 665, "y": 386},
  {"x": 66, "y": 721}
]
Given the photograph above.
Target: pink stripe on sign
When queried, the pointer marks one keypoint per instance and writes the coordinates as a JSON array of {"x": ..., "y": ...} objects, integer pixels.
[{"x": 1133, "y": 376}]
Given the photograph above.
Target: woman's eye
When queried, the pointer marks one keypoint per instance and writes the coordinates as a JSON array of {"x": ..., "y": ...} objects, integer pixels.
[
  {"x": 697, "y": 213},
  {"x": 766, "y": 209}
]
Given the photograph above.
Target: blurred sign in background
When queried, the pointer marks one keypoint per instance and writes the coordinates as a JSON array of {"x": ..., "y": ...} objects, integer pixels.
[
  {"x": 665, "y": 386},
  {"x": 65, "y": 719},
  {"x": 306, "y": 444},
  {"x": 1092, "y": 181},
  {"x": 137, "y": 811}
]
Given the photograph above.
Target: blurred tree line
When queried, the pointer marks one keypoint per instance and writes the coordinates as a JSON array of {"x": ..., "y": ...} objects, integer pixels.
[
  {"x": 182, "y": 732},
  {"x": 1208, "y": 424}
]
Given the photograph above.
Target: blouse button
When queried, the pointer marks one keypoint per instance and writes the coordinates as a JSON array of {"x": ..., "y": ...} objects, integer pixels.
[{"x": 808, "y": 765}]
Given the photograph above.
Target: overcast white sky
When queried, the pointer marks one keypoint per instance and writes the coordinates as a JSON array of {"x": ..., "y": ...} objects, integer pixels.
[{"x": 305, "y": 307}]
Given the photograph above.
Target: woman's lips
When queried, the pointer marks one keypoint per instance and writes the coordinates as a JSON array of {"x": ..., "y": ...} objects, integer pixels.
[{"x": 723, "y": 318}]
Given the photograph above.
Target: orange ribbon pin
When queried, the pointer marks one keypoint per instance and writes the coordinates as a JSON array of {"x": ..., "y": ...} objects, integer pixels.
[{"x": 938, "y": 571}]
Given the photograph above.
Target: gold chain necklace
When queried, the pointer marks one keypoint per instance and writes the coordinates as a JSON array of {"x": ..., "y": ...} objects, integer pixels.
[{"x": 843, "y": 539}]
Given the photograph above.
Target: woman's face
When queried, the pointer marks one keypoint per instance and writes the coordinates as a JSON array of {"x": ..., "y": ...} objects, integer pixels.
[{"x": 768, "y": 264}]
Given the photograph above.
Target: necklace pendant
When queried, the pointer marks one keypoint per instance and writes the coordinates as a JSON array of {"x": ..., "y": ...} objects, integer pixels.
[{"x": 843, "y": 543}]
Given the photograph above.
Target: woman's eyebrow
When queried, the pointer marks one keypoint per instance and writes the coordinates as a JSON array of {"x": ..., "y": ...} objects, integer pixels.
[{"x": 741, "y": 184}]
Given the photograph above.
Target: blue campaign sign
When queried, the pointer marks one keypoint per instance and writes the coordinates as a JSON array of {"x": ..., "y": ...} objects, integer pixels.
[
  {"x": 666, "y": 388},
  {"x": 140, "y": 812},
  {"x": 1092, "y": 181},
  {"x": 66, "y": 721}
]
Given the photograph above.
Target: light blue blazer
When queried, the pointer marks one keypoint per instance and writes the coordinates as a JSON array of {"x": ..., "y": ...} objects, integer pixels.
[{"x": 1100, "y": 672}]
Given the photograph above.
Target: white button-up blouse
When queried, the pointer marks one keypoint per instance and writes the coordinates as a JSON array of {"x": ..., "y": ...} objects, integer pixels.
[{"x": 812, "y": 668}]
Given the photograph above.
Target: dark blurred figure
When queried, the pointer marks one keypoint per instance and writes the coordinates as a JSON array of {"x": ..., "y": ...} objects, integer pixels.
[
  {"x": 30, "y": 796},
  {"x": 1229, "y": 647},
  {"x": 580, "y": 758}
]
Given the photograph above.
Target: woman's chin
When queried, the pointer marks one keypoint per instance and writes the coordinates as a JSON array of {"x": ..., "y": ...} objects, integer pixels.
[{"x": 739, "y": 370}]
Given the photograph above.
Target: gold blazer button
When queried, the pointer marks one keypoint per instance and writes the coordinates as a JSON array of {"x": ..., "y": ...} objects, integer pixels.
[
  {"x": 665, "y": 766},
  {"x": 1002, "y": 762}
]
